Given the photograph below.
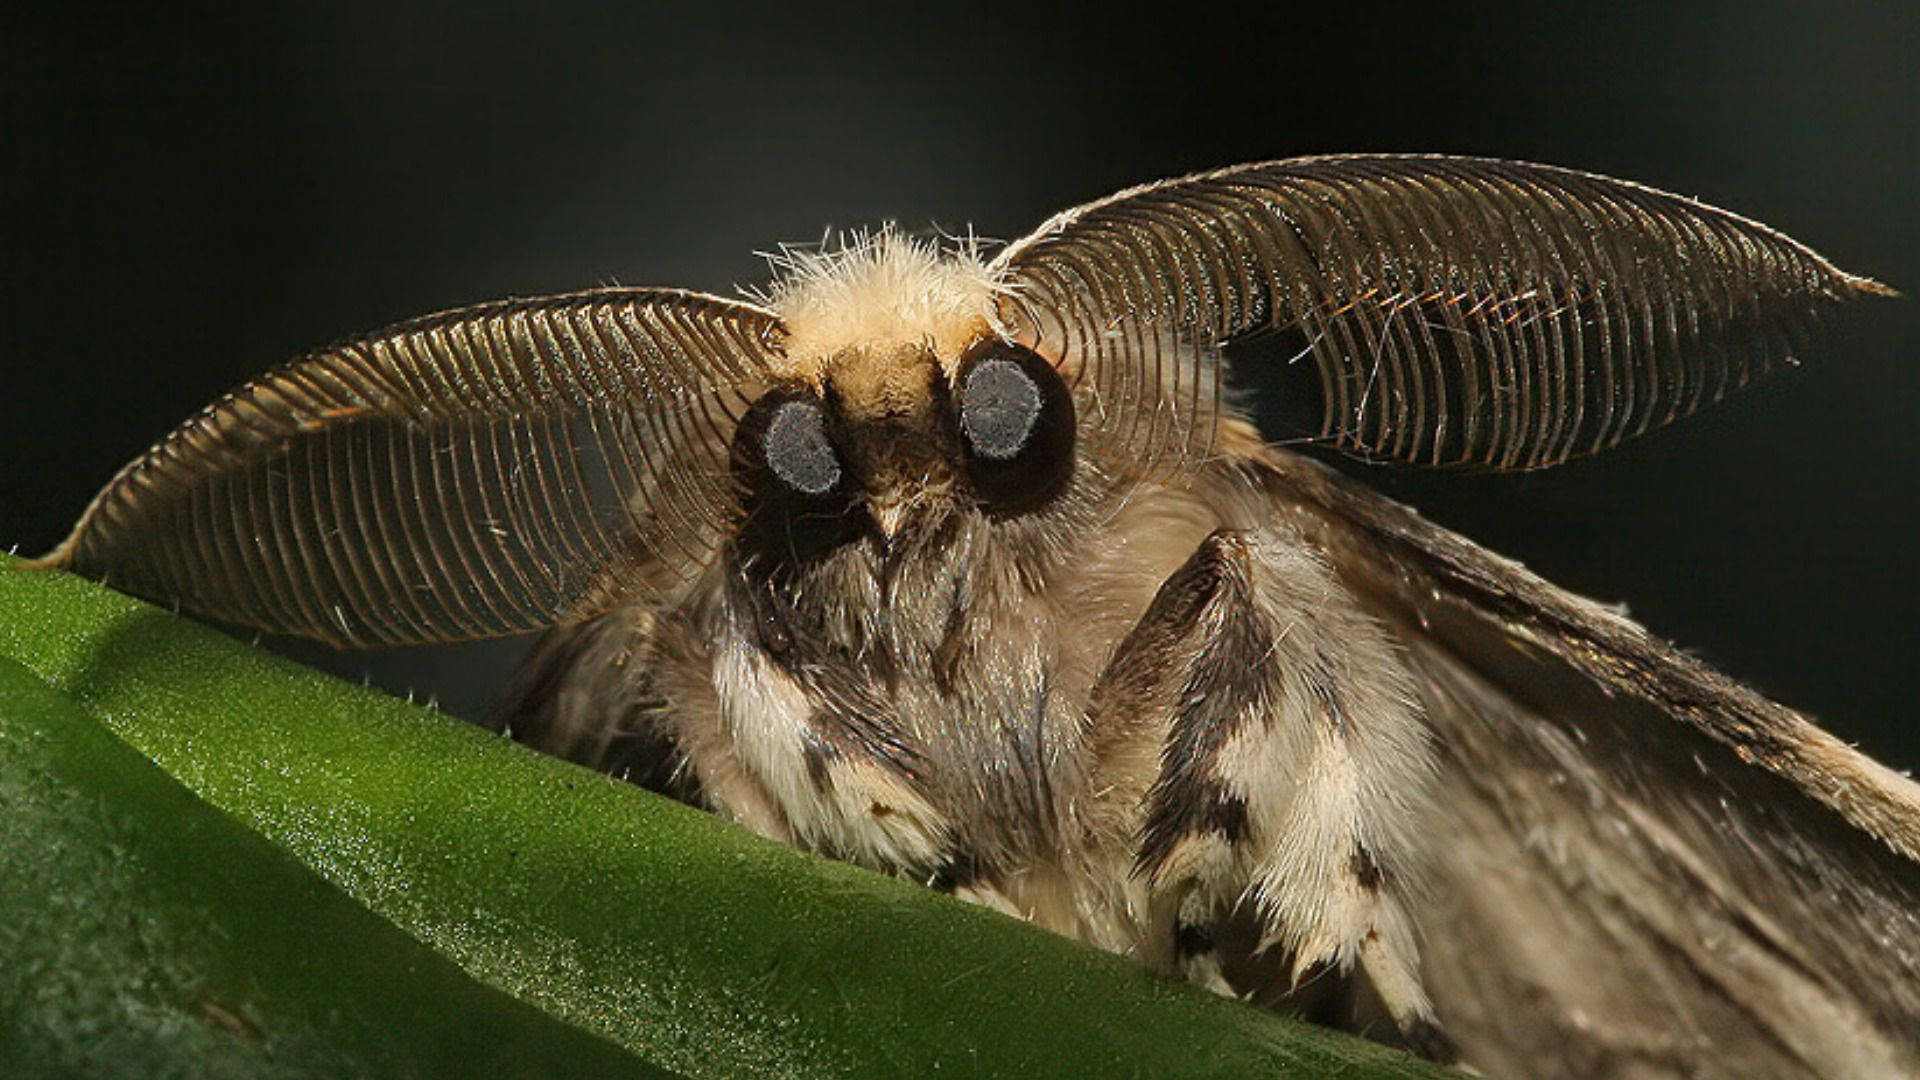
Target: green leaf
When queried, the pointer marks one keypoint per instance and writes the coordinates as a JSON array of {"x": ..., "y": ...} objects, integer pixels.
[
  {"x": 146, "y": 934},
  {"x": 690, "y": 943}
]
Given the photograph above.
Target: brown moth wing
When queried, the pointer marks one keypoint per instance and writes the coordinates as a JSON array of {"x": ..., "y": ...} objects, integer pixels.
[{"x": 1640, "y": 867}]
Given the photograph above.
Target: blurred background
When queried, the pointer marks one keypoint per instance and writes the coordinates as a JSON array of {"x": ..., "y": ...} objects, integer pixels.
[{"x": 188, "y": 198}]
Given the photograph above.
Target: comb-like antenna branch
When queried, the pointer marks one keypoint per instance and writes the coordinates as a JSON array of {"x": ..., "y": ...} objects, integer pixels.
[
  {"x": 1459, "y": 311},
  {"x": 477, "y": 473}
]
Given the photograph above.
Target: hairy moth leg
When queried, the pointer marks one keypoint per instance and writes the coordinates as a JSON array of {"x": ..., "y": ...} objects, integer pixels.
[
  {"x": 586, "y": 694},
  {"x": 1292, "y": 758},
  {"x": 615, "y": 694}
]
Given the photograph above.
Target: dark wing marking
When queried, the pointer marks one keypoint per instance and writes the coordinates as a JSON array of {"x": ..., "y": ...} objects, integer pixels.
[
  {"x": 1640, "y": 866},
  {"x": 1458, "y": 311},
  {"x": 476, "y": 473}
]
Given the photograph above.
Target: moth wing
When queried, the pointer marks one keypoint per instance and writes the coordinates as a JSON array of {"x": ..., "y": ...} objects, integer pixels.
[
  {"x": 1639, "y": 866},
  {"x": 481, "y": 472}
]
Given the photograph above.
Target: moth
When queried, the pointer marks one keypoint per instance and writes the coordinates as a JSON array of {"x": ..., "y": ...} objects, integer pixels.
[{"x": 971, "y": 569}]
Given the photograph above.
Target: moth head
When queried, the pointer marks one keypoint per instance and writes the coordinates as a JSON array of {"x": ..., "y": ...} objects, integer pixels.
[{"x": 897, "y": 399}]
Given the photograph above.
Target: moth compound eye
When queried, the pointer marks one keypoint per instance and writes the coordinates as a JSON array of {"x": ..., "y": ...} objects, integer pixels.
[
  {"x": 797, "y": 449},
  {"x": 1015, "y": 416},
  {"x": 999, "y": 407},
  {"x": 791, "y": 479}
]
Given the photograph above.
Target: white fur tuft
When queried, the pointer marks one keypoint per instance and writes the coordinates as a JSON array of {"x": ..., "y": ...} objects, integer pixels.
[{"x": 879, "y": 291}]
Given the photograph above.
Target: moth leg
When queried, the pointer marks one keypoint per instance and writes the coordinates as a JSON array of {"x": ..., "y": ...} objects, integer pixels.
[
  {"x": 626, "y": 693},
  {"x": 586, "y": 693},
  {"x": 1292, "y": 759}
]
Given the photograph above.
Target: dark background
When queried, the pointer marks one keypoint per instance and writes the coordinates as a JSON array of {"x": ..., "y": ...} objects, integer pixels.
[{"x": 188, "y": 198}]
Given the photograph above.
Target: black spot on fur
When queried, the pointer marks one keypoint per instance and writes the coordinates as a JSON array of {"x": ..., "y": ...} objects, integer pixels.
[
  {"x": 819, "y": 758},
  {"x": 767, "y": 618},
  {"x": 1188, "y": 810},
  {"x": 960, "y": 870},
  {"x": 1325, "y": 690},
  {"x": 1190, "y": 940},
  {"x": 1426, "y": 1039},
  {"x": 953, "y": 639},
  {"x": 1366, "y": 869},
  {"x": 1228, "y": 817}
]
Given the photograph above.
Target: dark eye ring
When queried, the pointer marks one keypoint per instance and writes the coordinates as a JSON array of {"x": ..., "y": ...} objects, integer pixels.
[
  {"x": 793, "y": 483},
  {"x": 1016, "y": 421}
]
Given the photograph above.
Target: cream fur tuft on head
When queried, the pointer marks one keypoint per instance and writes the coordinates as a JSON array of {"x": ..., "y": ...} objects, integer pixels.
[{"x": 877, "y": 293}]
